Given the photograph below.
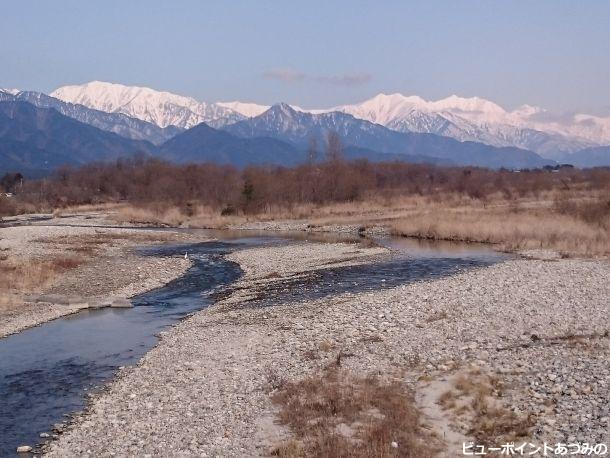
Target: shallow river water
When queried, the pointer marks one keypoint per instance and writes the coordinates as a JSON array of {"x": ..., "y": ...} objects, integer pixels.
[{"x": 47, "y": 371}]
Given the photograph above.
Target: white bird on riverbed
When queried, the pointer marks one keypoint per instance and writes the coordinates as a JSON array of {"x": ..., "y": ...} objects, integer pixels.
[{"x": 186, "y": 255}]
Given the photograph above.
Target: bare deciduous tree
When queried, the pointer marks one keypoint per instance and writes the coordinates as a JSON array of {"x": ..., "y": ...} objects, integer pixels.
[
  {"x": 160, "y": 185},
  {"x": 334, "y": 148},
  {"x": 312, "y": 150}
]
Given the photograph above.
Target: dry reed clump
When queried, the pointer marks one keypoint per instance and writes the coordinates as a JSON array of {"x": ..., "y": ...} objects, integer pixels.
[
  {"x": 10, "y": 206},
  {"x": 373, "y": 210},
  {"x": 334, "y": 413},
  {"x": 173, "y": 216},
  {"x": 28, "y": 275},
  {"x": 573, "y": 223},
  {"x": 592, "y": 210},
  {"x": 88, "y": 208},
  {"x": 150, "y": 216},
  {"x": 582, "y": 232},
  {"x": 476, "y": 401}
]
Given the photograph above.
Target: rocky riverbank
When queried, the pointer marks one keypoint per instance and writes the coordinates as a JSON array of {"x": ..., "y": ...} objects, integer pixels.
[
  {"x": 516, "y": 350},
  {"x": 102, "y": 264}
]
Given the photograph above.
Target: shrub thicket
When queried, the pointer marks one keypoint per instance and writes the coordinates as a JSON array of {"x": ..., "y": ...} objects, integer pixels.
[{"x": 229, "y": 190}]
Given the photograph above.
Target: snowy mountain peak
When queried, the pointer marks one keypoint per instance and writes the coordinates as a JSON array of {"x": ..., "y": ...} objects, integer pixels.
[
  {"x": 525, "y": 111},
  {"x": 246, "y": 109},
  {"x": 10, "y": 91},
  {"x": 383, "y": 108},
  {"x": 396, "y": 98},
  {"x": 470, "y": 104},
  {"x": 284, "y": 108},
  {"x": 478, "y": 119},
  {"x": 115, "y": 94},
  {"x": 159, "y": 107},
  {"x": 395, "y": 103}
]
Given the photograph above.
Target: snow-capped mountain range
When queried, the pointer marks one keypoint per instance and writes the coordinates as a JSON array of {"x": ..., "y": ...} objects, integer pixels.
[
  {"x": 160, "y": 108},
  {"x": 464, "y": 119},
  {"x": 451, "y": 131},
  {"x": 473, "y": 119},
  {"x": 364, "y": 138},
  {"x": 477, "y": 119},
  {"x": 118, "y": 123}
]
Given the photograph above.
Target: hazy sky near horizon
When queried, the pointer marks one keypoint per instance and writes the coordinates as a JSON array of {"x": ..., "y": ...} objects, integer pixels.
[{"x": 551, "y": 53}]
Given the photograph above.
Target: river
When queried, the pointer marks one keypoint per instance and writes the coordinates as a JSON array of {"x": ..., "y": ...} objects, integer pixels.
[{"x": 46, "y": 372}]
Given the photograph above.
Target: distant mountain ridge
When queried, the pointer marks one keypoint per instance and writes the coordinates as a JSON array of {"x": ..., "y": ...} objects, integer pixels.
[
  {"x": 247, "y": 109},
  {"x": 388, "y": 108},
  {"x": 289, "y": 125},
  {"x": 118, "y": 123},
  {"x": 590, "y": 157},
  {"x": 37, "y": 140},
  {"x": 401, "y": 128},
  {"x": 464, "y": 119},
  {"x": 203, "y": 143},
  {"x": 161, "y": 108},
  {"x": 467, "y": 119}
]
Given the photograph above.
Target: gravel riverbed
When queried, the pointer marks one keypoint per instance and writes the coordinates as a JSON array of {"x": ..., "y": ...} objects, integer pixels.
[
  {"x": 538, "y": 326},
  {"x": 110, "y": 268}
]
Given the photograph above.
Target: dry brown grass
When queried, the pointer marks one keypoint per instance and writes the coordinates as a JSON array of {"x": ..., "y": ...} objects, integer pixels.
[
  {"x": 476, "y": 400},
  {"x": 512, "y": 228},
  {"x": 20, "y": 276},
  {"x": 76, "y": 209},
  {"x": 200, "y": 216},
  {"x": 326, "y": 345},
  {"x": 375, "y": 210},
  {"x": 574, "y": 222},
  {"x": 154, "y": 217},
  {"x": 335, "y": 413},
  {"x": 29, "y": 275},
  {"x": 92, "y": 242}
]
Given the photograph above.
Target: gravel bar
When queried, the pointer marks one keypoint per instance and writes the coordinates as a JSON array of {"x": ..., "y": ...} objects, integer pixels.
[
  {"x": 540, "y": 326},
  {"x": 114, "y": 270}
]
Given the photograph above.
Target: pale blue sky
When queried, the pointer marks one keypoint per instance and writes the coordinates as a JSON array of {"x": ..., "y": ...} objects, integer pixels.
[{"x": 317, "y": 53}]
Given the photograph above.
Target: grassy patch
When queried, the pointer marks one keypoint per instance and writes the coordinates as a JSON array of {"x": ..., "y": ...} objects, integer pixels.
[
  {"x": 476, "y": 399},
  {"x": 577, "y": 226},
  {"x": 335, "y": 413},
  {"x": 104, "y": 238},
  {"x": 18, "y": 276}
]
